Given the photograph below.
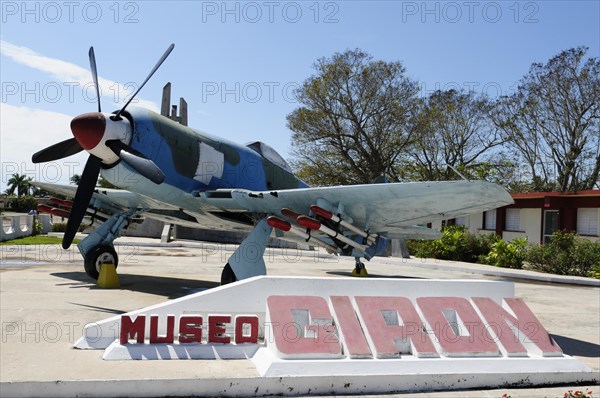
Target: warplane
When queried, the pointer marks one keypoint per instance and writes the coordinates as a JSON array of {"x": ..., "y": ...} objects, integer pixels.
[{"x": 173, "y": 173}]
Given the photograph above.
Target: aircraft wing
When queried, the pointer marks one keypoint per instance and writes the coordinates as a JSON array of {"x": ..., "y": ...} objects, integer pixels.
[
  {"x": 115, "y": 199},
  {"x": 394, "y": 209},
  {"x": 105, "y": 202},
  {"x": 381, "y": 208}
]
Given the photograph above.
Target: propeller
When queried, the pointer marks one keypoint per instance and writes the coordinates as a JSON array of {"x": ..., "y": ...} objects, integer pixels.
[
  {"x": 84, "y": 193},
  {"x": 57, "y": 151},
  {"x": 102, "y": 137},
  {"x": 158, "y": 64},
  {"x": 95, "y": 75}
]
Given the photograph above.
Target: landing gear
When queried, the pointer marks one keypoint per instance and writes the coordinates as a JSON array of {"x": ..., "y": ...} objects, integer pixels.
[
  {"x": 227, "y": 276},
  {"x": 97, "y": 248},
  {"x": 247, "y": 260},
  {"x": 359, "y": 270},
  {"x": 103, "y": 254}
]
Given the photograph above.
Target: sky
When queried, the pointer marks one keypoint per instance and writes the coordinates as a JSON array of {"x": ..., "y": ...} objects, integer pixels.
[{"x": 237, "y": 63}]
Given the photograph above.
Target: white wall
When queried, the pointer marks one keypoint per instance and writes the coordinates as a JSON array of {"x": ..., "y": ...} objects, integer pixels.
[
  {"x": 530, "y": 226},
  {"x": 14, "y": 227},
  {"x": 531, "y": 220},
  {"x": 19, "y": 226}
]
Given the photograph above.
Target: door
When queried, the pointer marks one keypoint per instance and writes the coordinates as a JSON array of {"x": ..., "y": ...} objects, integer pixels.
[{"x": 550, "y": 224}]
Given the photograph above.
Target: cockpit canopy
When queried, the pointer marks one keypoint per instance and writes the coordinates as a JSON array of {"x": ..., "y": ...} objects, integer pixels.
[{"x": 270, "y": 154}]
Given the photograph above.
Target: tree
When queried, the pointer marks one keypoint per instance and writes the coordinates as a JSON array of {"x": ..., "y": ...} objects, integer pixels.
[
  {"x": 454, "y": 132},
  {"x": 75, "y": 179},
  {"x": 553, "y": 122},
  {"x": 104, "y": 183},
  {"x": 355, "y": 121},
  {"x": 20, "y": 183},
  {"x": 23, "y": 204}
]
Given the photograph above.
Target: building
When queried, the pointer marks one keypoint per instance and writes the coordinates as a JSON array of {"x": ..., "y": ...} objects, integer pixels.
[{"x": 537, "y": 215}]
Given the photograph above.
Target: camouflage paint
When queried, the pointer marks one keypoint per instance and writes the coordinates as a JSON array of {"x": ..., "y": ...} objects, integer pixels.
[{"x": 176, "y": 150}]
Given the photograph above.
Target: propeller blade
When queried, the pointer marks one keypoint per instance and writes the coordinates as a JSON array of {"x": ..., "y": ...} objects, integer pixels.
[
  {"x": 95, "y": 75},
  {"x": 57, "y": 151},
  {"x": 84, "y": 193},
  {"x": 158, "y": 64},
  {"x": 137, "y": 161}
]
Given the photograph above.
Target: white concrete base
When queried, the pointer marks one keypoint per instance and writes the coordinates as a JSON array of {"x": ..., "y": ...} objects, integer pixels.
[
  {"x": 512, "y": 370},
  {"x": 250, "y": 296},
  {"x": 285, "y": 386},
  {"x": 117, "y": 351},
  {"x": 276, "y": 376}
]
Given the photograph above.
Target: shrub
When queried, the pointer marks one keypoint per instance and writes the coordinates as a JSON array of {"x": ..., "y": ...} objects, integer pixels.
[
  {"x": 37, "y": 227},
  {"x": 565, "y": 254},
  {"x": 456, "y": 244},
  {"x": 59, "y": 227},
  {"x": 23, "y": 204},
  {"x": 507, "y": 254},
  {"x": 595, "y": 272}
]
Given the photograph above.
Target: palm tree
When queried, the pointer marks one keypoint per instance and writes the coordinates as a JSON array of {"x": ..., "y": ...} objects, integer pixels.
[{"x": 20, "y": 183}]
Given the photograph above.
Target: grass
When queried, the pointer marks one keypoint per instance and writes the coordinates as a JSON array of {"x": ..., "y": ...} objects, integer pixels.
[{"x": 36, "y": 240}]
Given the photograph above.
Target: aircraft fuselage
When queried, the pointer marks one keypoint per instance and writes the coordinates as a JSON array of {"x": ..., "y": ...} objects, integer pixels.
[{"x": 193, "y": 162}]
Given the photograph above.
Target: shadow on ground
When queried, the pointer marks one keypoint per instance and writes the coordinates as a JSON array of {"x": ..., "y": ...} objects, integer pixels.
[
  {"x": 349, "y": 274},
  {"x": 170, "y": 288},
  {"x": 576, "y": 347}
]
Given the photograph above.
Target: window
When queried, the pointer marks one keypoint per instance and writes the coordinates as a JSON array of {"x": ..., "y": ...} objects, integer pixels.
[
  {"x": 460, "y": 221},
  {"x": 587, "y": 221},
  {"x": 489, "y": 219},
  {"x": 270, "y": 154},
  {"x": 513, "y": 220},
  {"x": 551, "y": 224}
]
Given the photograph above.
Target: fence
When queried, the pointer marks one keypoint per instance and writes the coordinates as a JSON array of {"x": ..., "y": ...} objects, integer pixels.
[{"x": 19, "y": 226}]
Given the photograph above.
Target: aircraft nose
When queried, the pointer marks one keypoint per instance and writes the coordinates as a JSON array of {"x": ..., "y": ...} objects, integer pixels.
[{"x": 88, "y": 129}]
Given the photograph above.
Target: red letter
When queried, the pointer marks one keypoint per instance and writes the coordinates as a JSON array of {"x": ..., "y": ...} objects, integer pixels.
[
  {"x": 130, "y": 329},
  {"x": 302, "y": 328},
  {"x": 190, "y": 329},
  {"x": 354, "y": 337},
  {"x": 216, "y": 329},
  {"x": 154, "y": 337},
  {"x": 395, "y": 327},
  {"x": 458, "y": 328},
  {"x": 525, "y": 322},
  {"x": 240, "y": 321}
]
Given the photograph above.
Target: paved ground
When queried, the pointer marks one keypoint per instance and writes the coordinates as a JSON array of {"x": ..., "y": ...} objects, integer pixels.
[{"x": 46, "y": 299}]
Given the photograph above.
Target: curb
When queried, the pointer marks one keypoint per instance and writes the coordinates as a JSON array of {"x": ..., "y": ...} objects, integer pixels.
[{"x": 491, "y": 271}]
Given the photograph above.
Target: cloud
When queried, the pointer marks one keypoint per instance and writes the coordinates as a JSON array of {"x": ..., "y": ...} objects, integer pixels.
[
  {"x": 24, "y": 131},
  {"x": 70, "y": 73}
]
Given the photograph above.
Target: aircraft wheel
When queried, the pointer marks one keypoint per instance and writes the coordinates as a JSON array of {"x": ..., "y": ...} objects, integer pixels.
[
  {"x": 101, "y": 255},
  {"x": 227, "y": 276}
]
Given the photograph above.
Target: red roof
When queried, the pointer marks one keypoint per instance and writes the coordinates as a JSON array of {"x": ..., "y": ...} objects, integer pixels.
[{"x": 537, "y": 195}]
